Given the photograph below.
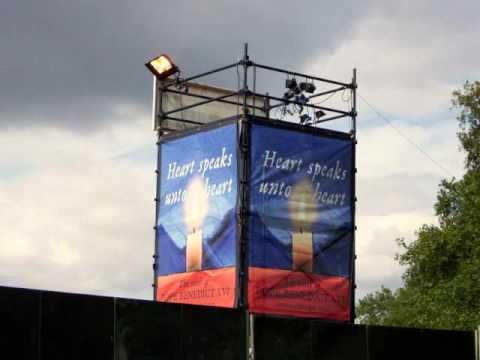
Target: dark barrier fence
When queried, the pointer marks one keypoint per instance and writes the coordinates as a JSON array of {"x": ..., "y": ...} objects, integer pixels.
[
  {"x": 148, "y": 330},
  {"x": 310, "y": 339},
  {"x": 43, "y": 325}
]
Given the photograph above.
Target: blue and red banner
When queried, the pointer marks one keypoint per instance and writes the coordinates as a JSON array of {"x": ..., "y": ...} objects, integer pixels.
[
  {"x": 300, "y": 227},
  {"x": 196, "y": 232},
  {"x": 300, "y": 220}
]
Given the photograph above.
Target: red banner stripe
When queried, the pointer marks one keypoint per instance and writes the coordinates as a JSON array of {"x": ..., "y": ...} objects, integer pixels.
[
  {"x": 284, "y": 292},
  {"x": 207, "y": 287}
]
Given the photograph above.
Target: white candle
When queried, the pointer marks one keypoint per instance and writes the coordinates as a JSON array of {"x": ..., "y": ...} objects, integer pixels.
[
  {"x": 303, "y": 213},
  {"x": 194, "y": 251},
  {"x": 302, "y": 251},
  {"x": 195, "y": 210}
]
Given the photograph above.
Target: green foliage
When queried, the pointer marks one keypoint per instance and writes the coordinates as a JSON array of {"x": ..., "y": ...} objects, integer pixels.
[
  {"x": 376, "y": 308},
  {"x": 442, "y": 277},
  {"x": 468, "y": 101}
]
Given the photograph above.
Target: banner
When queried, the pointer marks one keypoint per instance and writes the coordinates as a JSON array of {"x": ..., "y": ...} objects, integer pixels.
[
  {"x": 300, "y": 225},
  {"x": 196, "y": 222}
]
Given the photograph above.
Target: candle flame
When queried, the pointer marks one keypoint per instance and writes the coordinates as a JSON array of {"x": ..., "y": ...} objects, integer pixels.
[
  {"x": 196, "y": 204},
  {"x": 303, "y": 211}
]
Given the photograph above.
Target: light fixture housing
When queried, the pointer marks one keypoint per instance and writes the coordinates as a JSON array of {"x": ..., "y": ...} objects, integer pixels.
[
  {"x": 305, "y": 119},
  {"x": 162, "y": 66},
  {"x": 302, "y": 99},
  {"x": 307, "y": 87},
  {"x": 288, "y": 95},
  {"x": 291, "y": 83}
]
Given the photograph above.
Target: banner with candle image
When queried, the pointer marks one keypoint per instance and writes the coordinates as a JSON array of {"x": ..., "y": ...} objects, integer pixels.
[
  {"x": 300, "y": 226},
  {"x": 196, "y": 227}
]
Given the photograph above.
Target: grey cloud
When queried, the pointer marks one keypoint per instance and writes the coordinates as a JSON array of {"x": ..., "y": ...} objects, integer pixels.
[
  {"x": 82, "y": 219},
  {"x": 367, "y": 285},
  {"x": 54, "y": 52},
  {"x": 445, "y": 30},
  {"x": 440, "y": 14},
  {"x": 80, "y": 114},
  {"x": 37, "y": 273},
  {"x": 398, "y": 193},
  {"x": 59, "y": 55}
]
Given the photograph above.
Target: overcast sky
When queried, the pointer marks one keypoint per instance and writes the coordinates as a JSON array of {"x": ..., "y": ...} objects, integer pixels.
[{"x": 78, "y": 154}]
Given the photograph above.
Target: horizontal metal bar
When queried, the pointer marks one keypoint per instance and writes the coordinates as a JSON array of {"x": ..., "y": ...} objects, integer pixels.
[
  {"x": 181, "y": 120},
  {"x": 167, "y": 129},
  {"x": 182, "y": 81},
  {"x": 209, "y": 97},
  {"x": 271, "y": 68},
  {"x": 346, "y": 113},
  {"x": 200, "y": 103},
  {"x": 329, "y": 119}
]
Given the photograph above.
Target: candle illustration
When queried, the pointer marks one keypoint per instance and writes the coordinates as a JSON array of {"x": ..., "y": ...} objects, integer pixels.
[
  {"x": 195, "y": 209},
  {"x": 303, "y": 213}
]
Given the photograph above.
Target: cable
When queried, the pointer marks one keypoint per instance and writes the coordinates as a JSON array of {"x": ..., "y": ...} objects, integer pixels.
[
  {"x": 324, "y": 100},
  {"x": 402, "y": 134},
  {"x": 238, "y": 91},
  {"x": 343, "y": 96}
]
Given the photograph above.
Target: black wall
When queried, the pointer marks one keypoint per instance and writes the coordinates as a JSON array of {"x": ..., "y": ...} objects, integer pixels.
[
  {"x": 43, "y": 325},
  {"x": 310, "y": 339}
]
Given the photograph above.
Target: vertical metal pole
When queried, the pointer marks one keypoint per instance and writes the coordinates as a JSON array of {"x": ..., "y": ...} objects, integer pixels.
[
  {"x": 157, "y": 206},
  {"x": 254, "y": 88},
  {"x": 245, "y": 78},
  {"x": 244, "y": 150},
  {"x": 251, "y": 341},
  {"x": 156, "y": 111},
  {"x": 354, "y": 202},
  {"x": 155, "y": 104},
  {"x": 477, "y": 343},
  {"x": 266, "y": 105},
  {"x": 354, "y": 103}
]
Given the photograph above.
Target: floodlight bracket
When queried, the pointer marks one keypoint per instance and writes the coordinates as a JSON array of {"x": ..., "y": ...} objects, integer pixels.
[
  {"x": 247, "y": 62},
  {"x": 245, "y": 92}
]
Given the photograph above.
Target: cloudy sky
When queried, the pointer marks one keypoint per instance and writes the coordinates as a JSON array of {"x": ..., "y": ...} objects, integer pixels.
[{"x": 78, "y": 154}]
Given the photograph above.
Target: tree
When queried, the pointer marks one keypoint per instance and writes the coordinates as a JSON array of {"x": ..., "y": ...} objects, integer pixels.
[
  {"x": 468, "y": 100},
  {"x": 441, "y": 284}
]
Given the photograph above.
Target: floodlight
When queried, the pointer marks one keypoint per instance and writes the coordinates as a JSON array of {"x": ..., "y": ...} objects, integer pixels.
[
  {"x": 291, "y": 83},
  {"x": 305, "y": 119},
  {"x": 307, "y": 87},
  {"x": 302, "y": 99},
  {"x": 162, "y": 66},
  {"x": 319, "y": 114},
  {"x": 288, "y": 95}
]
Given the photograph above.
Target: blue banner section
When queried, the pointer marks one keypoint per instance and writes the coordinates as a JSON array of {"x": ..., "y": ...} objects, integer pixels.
[
  {"x": 196, "y": 227},
  {"x": 300, "y": 201}
]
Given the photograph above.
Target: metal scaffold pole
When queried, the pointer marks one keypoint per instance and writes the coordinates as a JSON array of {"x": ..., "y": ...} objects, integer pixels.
[{"x": 354, "y": 202}]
